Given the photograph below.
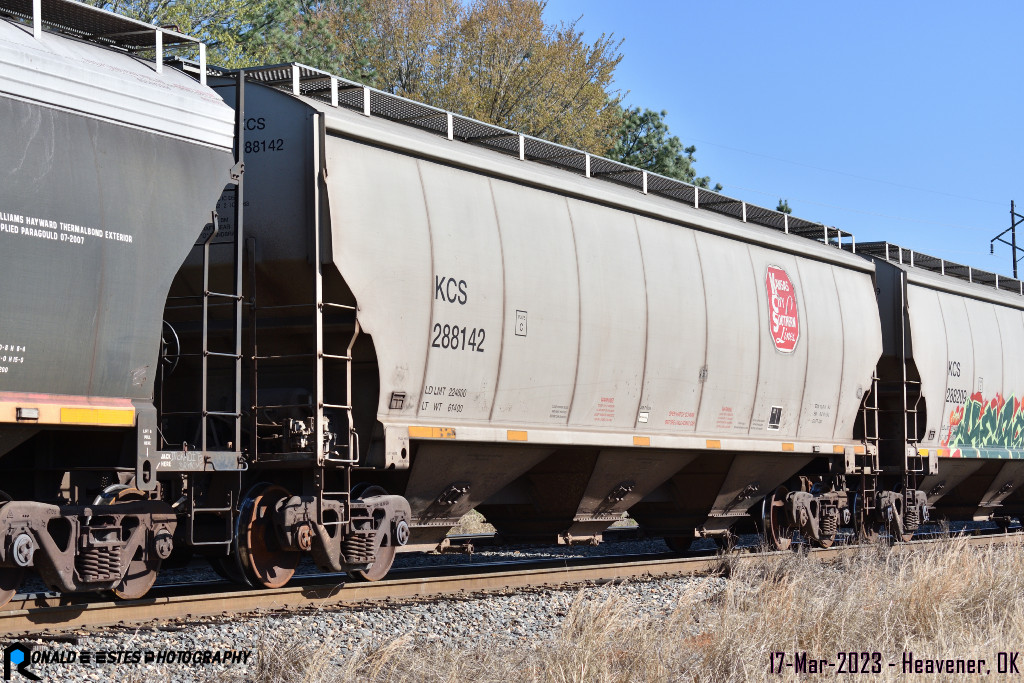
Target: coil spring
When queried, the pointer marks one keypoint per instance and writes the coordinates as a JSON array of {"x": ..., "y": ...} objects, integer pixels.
[
  {"x": 99, "y": 563},
  {"x": 912, "y": 518},
  {"x": 829, "y": 524},
  {"x": 358, "y": 545}
]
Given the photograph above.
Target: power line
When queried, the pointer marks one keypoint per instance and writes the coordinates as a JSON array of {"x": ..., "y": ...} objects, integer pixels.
[
  {"x": 849, "y": 175},
  {"x": 864, "y": 212}
]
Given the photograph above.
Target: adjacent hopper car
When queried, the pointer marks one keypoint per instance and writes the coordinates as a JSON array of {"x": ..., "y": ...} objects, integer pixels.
[{"x": 260, "y": 314}]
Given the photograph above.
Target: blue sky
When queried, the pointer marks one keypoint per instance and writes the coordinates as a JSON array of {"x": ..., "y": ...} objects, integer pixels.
[{"x": 895, "y": 121}]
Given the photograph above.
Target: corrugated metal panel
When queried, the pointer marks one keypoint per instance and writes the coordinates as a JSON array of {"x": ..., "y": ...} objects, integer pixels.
[
  {"x": 382, "y": 246},
  {"x": 734, "y": 336},
  {"x": 542, "y": 307},
  {"x": 972, "y": 375},
  {"x": 613, "y": 317},
  {"x": 988, "y": 349},
  {"x": 1011, "y": 330},
  {"x": 92, "y": 80},
  {"x": 467, "y": 283},
  {"x": 928, "y": 337},
  {"x": 822, "y": 333},
  {"x": 676, "y": 311},
  {"x": 781, "y": 374},
  {"x": 862, "y": 344},
  {"x": 960, "y": 351}
]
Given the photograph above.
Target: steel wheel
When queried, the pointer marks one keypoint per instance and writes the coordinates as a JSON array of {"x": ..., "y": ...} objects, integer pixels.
[
  {"x": 894, "y": 523},
  {"x": 144, "y": 567},
  {"x": 380, "y": 568},
  {"x": 778, "y": 535},
  {"x": 262, "y": 561},
  {"x": 866, "y": 530},
  {"x": 226, "y": 567},
  {"x": 11, "y": 578},
  {"x": 385, "y": 555}
]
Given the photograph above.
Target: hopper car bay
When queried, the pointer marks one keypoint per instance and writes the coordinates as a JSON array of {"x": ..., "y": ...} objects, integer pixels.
[{"x": 253, "y": 315}]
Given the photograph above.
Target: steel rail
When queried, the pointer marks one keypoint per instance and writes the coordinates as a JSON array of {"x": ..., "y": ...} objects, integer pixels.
[{"x": 28, "y": 615}]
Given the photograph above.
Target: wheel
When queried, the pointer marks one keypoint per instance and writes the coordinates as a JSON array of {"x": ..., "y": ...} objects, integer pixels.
[
  {"x": 894, "y": 524},
  {"x": 262, "y": 561},
  {"x": 227, "y": 568},
  {"x": 778, "y": 535},
  {"x": 145, "y": 566},
  {"x": 380, "y": 568},
  {"x": 11, "y": 578},
  {"x": 865, "y": 529},
  {"x": 385, "y": 555}
]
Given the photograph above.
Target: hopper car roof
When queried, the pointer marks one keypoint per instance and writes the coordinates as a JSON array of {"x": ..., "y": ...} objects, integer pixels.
[
  {"x": 90, "y": 61},
  {"x": 948, "y": 276},
  {"x": 361, "y": 113}
]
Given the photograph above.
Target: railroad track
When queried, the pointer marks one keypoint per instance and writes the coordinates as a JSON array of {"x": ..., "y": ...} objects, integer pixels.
[{"x": 36, "y": 614}]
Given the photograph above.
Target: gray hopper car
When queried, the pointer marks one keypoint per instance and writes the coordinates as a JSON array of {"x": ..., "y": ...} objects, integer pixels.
[
  {"x": 547, "y": 349},
  {"x": 266, "y": 313}
]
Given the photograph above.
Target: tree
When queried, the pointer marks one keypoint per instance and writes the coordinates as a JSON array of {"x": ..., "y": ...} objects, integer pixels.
[
  {"x": 409, "y": 46},
  {"x": 783, "y": 207},
  {"x": 228, "y": 27},
  {"x": 493, "y": 60},
  {"x": 313, "y": 32},
  {"x": 644, "y": 140},
  {"x": 241, "y": 33}
]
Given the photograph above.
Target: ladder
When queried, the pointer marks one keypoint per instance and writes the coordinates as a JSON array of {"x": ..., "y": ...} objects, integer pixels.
[
  {"x": 209, "y": 300},
  {"x": 330, "y": 440},
  {"x": 868, "y": 463}
]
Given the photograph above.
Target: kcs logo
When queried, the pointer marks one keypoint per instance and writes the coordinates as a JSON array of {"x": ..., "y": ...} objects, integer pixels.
[{"x": 16, "y": 658}]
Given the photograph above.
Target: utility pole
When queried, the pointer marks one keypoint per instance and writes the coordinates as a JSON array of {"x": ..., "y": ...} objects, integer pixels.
[{"x": 1015, "y": 220}]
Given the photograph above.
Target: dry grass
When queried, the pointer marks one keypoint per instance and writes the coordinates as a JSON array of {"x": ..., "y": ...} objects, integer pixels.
[
  {"x": 472, "y": 523},
  {"x": 943, "y": 601}
]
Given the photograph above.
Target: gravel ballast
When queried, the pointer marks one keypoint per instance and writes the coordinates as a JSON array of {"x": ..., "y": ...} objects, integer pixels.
[{"x": 507, "y": 619}]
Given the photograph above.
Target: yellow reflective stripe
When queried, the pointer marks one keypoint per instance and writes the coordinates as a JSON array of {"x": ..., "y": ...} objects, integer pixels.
[
  {"x": 789, "y": 447},
  {"x": 98, "y": 416},
  {"x": 641, "y": 441},
  {"x": 514, "y": 435},
  {"x": 432, "y": 432},
  {"x": 714, "y": 443},
  {"x": 838, "y": 450}
]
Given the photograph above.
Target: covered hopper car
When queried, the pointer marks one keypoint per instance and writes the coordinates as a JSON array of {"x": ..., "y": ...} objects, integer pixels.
[{"x": 266, "y": 313}]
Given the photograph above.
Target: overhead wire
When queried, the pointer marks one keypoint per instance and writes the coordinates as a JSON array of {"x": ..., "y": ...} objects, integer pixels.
[{"x": 850, "y": 175}]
